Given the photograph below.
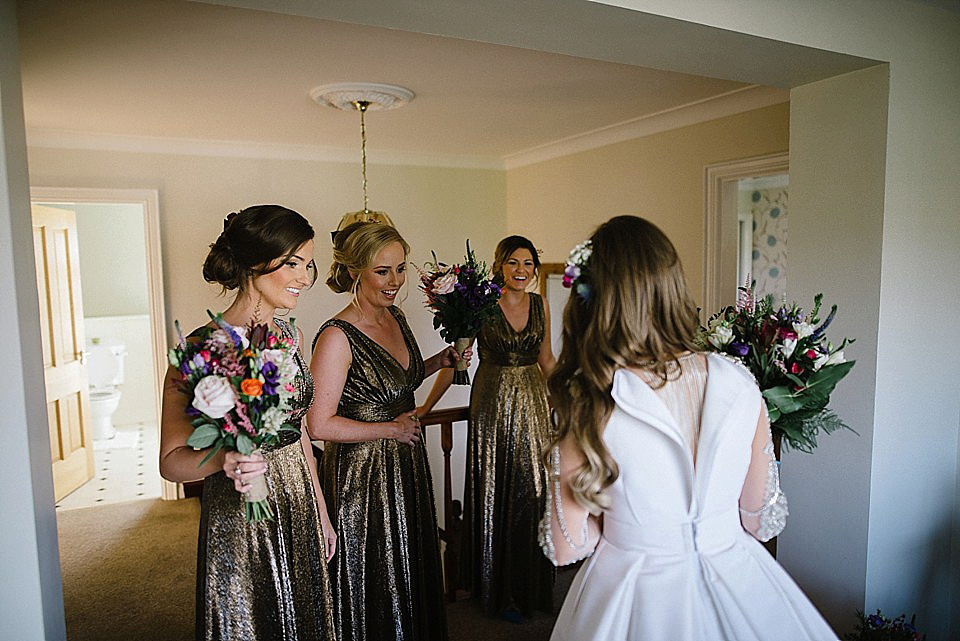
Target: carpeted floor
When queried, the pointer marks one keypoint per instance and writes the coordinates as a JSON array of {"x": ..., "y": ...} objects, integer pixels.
[{"x": 129, "y": 575}]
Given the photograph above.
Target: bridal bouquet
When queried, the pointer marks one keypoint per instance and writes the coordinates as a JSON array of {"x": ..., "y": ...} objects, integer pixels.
[
  {"x": 460, "y": 297},
  {"x": 788, "y": 353},
  {"x": 239, "y": 389}
]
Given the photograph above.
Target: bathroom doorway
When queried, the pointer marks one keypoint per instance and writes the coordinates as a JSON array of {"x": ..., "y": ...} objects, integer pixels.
[{"x": 124, "y": 350}]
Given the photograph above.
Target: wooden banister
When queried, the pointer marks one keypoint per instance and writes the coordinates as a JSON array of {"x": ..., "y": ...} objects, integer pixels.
[{"x": 452, "y": 528}]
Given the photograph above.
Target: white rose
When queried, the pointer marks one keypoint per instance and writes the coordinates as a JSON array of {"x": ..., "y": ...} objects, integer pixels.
[
  {"x": 214, "y": 396},
  {"x": 721, "y": 336},
  {"x": 444, "y": 284},
  {"x": 789, "y": 344},
  {"x": 802, "y": 329},
  {"x": 273, "y": 418}
]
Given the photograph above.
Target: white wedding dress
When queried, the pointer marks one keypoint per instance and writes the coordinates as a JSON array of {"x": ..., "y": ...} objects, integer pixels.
[{"x": 674, "y": 561}]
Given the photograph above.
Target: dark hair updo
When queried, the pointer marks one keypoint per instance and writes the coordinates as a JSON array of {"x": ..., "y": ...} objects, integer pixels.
[
  {"x": 505, "y": 249},
  {"x": 254, "y": 242}
]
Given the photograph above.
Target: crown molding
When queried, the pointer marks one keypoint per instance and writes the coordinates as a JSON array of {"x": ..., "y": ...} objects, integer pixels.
[
  {"x": 62, "y": 139},
  {"x": 721, "y": 106},
  {"x": 728, "y": 104}
]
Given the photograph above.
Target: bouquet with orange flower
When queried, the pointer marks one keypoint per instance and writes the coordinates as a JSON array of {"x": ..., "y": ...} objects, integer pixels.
[{"x": 239, "y": 382}]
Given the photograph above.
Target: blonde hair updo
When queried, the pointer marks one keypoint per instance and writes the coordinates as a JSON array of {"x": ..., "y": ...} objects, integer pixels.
[{"x": 355, "y": 247}]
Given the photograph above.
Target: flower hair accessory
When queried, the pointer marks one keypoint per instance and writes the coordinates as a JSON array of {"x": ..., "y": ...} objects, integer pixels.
[{"x": 574, "y": 275}]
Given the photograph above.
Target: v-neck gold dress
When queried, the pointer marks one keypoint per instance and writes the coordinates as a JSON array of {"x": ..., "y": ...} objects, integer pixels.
[
  {"x": 267, "y": 580},
  {"x": 505, "y": 482},
  {"x": 387, "y": 577}
]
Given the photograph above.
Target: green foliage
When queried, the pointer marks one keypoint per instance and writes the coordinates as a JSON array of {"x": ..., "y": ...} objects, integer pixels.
[{"x": 796, "y": 368}]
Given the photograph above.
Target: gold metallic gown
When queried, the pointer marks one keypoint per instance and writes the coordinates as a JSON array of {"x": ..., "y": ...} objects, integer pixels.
[
  {"x": 504, "y": 494},
  {"x": 387, "y": 577},
  {"x": 266, "y": 581}
]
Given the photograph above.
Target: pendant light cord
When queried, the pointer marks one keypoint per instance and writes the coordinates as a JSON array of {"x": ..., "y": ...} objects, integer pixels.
[{"x": 361, "y": 106}]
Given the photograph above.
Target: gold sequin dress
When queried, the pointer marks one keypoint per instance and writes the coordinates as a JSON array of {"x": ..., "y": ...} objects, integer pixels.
[
  {"x": 505, "y": 480},
  {"x": 387, "y": 577},
  {"x": 266, "y": 581}
]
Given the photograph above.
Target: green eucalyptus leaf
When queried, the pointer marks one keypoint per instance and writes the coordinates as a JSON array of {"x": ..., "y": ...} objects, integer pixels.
[
  {"x": 203, "y": 436},
  {"x": 244, "y": 445}
]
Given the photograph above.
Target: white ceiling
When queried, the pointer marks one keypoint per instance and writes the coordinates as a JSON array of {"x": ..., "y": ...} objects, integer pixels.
[{"x": 193, "y": 71}]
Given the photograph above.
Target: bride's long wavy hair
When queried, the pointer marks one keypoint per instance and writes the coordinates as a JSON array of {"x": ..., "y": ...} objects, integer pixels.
[{"x": 638, "y": 314}]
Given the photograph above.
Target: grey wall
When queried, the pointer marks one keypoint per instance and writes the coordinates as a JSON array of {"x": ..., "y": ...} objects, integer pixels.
[
  {"x": 837, "y": 153},
  {"x": 31, "y": 595}
]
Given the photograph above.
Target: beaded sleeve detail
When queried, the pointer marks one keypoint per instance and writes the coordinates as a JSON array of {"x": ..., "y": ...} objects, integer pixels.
[
  {"x": 554, "y": 507},
  {"x": 772, "y": 515}
]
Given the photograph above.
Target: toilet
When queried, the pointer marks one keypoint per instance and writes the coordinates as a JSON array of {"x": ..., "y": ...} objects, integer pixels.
[{"x": 105, "y": 375}]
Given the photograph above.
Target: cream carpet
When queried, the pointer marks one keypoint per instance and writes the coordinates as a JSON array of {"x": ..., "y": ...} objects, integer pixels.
[{"x": 129, "y": 572}]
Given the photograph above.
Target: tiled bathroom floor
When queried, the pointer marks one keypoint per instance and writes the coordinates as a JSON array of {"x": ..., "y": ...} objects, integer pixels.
[{"x": 125, "y": 469}]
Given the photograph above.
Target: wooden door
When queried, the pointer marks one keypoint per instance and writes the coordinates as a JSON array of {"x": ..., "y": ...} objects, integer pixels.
[{"x": 65, "y": 372}]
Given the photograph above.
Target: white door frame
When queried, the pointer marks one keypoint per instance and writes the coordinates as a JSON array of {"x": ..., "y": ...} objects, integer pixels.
[
  {"x": 149, "y": 199},
  {"x": 720, "y": 224}
]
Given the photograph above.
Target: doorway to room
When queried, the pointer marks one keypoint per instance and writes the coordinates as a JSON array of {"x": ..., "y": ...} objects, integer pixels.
[
  {"x": 120, "y": 342},
  {"x": 745, "y": 225}
]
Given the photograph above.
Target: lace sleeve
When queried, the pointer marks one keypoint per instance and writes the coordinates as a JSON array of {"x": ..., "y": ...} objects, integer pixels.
[
  {"x": 763, "y": 506},
  {"x": 554, "y": 521}
]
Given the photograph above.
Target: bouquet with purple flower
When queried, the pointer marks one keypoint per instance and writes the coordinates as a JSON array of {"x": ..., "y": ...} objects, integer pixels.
[
  {"x": 460, "y": 297},
  {"x": 239, "y": 388},
  {"x": 876, "y": 627},
  {"x": 789, "y": 355}
]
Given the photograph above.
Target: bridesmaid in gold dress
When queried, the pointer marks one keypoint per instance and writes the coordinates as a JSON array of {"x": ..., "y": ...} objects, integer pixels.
[
  {"x": 267, "y": 580},
  {"x": 509, "y": 429},
  {"x": 387, "y": 577}
]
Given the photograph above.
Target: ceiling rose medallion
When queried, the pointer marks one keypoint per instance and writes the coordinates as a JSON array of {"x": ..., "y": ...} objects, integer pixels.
[{"x": 362, "y": 97}]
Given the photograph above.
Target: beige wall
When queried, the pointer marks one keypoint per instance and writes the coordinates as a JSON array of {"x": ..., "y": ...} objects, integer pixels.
[
  {"x": 434, "y": 208},
  {"x": 557, "y": 203},
  {"x": 113, "y": 264}
]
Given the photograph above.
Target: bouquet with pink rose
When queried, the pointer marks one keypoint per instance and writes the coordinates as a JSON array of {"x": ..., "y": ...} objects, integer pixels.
[
  {"x": 460, "y": 297},
  {"x": 787, "y": 351},
  {"x": 239, "y": 389}
]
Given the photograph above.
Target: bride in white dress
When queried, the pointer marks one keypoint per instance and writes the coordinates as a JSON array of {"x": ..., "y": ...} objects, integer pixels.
[{"x": 663, "y": 470}]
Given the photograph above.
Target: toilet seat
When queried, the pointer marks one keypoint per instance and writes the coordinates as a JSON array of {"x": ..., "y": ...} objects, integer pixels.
[{"x": 103, "y": 395}]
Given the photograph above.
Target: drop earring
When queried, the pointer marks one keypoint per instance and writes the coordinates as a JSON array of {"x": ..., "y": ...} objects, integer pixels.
[{"x": 255, "y": 320}]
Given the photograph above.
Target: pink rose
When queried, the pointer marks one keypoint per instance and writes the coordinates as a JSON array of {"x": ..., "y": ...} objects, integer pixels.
[
  {"x": 214, "y": 396},
  {"x": 444, "y": 284}
]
